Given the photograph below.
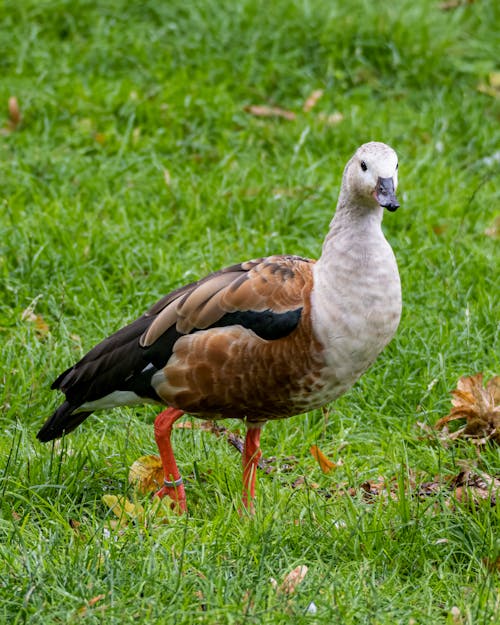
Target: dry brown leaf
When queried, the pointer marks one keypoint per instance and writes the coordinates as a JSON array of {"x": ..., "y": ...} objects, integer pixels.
[
  {"x": 14, "y": 113},
  {"x": 325, "y": 464},
  {"x": 262, "y": 110},
  {"x": 492, "y": 564},
  {"x": 479, "y": 406},
  {"x": 293, "y": 579},
  {"x": 75, "y": 525},
  {"x": 41, "y": 326},
  {"x": 187, "y": 425},
  {"x": 494, "y": 230},
  {"x": 439, "y": 228},
  {"x": 453, "y": 4},
  {"x": 201, "y": 598},
  {"x": 473, "y": 487},
  {"x": 312, "y": 100},
  {"x": 96, "y": 599},
  {"x": 146, "y": 474},
  {"x": 247, "y": 602}
]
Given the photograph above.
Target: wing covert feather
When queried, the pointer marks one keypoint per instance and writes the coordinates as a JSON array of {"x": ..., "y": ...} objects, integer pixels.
[{"x": 277, "y": 283}]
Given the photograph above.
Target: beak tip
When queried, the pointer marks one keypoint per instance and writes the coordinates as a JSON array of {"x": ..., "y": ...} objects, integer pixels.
[{"x": 392, "y": 207}]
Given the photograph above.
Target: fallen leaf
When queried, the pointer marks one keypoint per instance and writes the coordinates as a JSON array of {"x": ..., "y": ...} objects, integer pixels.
[
  {"x": 146, "y": 474},
  {"x": 91, "y": 603},
  {"x": 494, "y": 230},
  {"x": 454, "y": 4},
  {"x": 492, "y": 87},
  {"x": 124, "y": 509},
  {"x": 456, "y": 616},
  {"x": 492, "y": 564},
  {"x": 41, "y": 326},
  {"x": 479, "y": 406},
  {"x": 312, "y": 100},
  {"x": 247, "y": 603},
  {"x": 293, "y": 579},
  {"x": 332, "y": 119},
  {"x": 325, "y": 464},
  {"x": 439, "y": 228},
  {"x": 494, "y": 78},
  {"x": 186, "y": 425},
  {"x": 94, "y": 600},
  {"x": 269, "y": 111},
  {"x": 201, "y": 598},
  {"x": 14, "y": 113},
  {"x": 473, "y": 487}
]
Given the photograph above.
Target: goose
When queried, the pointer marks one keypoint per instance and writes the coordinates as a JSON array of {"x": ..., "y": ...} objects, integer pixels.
[{"x": 264, "y": 339}]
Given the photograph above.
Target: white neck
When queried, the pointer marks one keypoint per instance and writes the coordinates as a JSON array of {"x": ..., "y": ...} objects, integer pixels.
[
  {"x": 353, "y": 231},
  {"x": 356, "y": 297}
]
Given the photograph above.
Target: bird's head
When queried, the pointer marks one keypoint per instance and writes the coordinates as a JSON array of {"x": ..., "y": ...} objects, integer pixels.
[{"x": 371, "y": 176}]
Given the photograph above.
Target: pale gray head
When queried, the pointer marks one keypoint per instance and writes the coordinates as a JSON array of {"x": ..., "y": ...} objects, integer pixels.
[{"x": 371, "y": 177}]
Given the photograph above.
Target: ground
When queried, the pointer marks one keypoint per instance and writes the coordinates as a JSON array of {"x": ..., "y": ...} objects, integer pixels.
[{"x": 131, "y": 162}]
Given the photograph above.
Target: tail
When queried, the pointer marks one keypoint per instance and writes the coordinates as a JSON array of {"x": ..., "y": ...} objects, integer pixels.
[{"x": 63, "y": 421}]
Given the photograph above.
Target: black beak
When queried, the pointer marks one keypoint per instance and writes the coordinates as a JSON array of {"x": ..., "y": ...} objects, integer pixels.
[{"x": 385, "y": 195}]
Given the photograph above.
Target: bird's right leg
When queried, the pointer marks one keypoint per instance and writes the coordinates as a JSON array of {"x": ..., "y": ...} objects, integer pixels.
[
  {"x": 173, "y": 486},
  {"x": 250, "y": 460}
]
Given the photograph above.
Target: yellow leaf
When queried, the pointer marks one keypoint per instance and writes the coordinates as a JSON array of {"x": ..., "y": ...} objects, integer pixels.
[
  {"x": 124, "y": 509},
  {"x": 494, "y": 78},
  {"x": 325, "y": 464},
  {"x": 146, "y": 474},
  {"x": 160, "y": 511},
  {"x": 492, "y": 87}
]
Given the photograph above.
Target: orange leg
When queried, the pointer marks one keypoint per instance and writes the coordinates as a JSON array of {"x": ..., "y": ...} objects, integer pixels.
[
  {"x": 173, "y": 486},
  {"x": 251, "y": 456}
]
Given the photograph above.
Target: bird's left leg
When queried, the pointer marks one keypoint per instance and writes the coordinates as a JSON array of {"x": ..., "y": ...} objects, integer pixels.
[
  {"x": 173, "y": 486},
  {"x": 251, "y": 456}
]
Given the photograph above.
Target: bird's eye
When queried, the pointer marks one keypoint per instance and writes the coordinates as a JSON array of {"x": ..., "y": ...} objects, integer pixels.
[
  {"x": 397, "y": 165},
  {"x": 363, "y": 166}
]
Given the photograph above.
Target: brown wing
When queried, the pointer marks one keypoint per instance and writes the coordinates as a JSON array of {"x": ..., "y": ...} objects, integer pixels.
[
  {"x": 275, "y": 284},
  {"x": 229, "y": 369}
]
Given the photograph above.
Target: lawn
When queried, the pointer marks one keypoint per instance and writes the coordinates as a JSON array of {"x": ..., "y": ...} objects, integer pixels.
[{"x": 134, "y": 164}]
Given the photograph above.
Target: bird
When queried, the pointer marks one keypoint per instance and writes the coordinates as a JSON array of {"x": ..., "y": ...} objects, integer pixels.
[{"x": 264, "y": 339}]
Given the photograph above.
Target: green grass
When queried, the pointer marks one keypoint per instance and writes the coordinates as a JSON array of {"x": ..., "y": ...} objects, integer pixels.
[{"x": 114, "y": 93}]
